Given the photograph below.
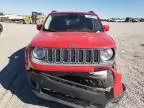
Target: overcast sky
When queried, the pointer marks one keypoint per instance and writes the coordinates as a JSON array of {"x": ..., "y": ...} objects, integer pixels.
[{"x": 104, "y": 8}]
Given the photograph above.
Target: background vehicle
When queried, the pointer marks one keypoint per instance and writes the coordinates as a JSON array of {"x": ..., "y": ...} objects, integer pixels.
[
  {"x": 129, "y": 19},
  {"x": 23, "y": 19},
  {"x": 1, "y": 28},
  {"x": 141, "y": 19}
]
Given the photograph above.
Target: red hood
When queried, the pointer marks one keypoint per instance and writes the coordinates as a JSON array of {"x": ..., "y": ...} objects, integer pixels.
[{"x": 73, "y": 40}]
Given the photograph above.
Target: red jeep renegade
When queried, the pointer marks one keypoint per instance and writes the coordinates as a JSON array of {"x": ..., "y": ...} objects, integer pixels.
[{"x": 72, "y": 58}]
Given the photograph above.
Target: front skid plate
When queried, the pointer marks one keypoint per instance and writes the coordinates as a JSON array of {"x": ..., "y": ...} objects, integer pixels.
[
  {"x": 97, "y": 96},
  {"x": 67, "y": 102},
  {"x": 80, "y": 104}
]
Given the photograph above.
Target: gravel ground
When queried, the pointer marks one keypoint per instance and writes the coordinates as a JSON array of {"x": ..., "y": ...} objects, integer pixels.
[{"x": 16, "y": 93}]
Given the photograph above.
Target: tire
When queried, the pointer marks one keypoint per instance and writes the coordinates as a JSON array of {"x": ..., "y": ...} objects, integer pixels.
[
  {"x": 1, "y": 28},
  {"x": 21, "y": 22},
  {"x": 117, "y": 99}
]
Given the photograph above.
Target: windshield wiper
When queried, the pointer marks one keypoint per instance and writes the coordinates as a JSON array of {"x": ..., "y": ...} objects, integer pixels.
[
  {"x": 51, "y": 30},
  {"x": 86, "y": 31}
]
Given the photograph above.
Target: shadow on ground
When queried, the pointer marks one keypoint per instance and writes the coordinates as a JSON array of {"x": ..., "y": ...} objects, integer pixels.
[{"x": 13, "y": 78}]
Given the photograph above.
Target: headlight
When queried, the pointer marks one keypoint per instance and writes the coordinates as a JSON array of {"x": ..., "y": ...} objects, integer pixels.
[
  {"x": 106, "y": 54},
  {"x": 38, "y": 53}
]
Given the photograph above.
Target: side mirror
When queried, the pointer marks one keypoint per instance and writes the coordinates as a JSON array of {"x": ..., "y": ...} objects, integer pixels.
[
  {"x": 39, "y": 26},
  {"x": 106, "y": 27}
]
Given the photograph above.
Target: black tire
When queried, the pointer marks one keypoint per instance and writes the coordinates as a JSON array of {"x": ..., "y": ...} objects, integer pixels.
[
  {"x": 117, "y": 99},
  {"x": 22, "y": 22},
  {"x": 1, "y": 28}
]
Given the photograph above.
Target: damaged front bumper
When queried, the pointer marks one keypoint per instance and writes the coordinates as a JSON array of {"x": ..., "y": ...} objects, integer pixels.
[{"x": 57, "y": 89}]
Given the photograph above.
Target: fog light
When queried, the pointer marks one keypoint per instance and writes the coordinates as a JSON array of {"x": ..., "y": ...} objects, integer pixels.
[{"x": 99, "y": 74}]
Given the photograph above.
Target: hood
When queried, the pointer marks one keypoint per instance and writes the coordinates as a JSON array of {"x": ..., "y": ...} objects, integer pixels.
[{"x": 73, "y": 40}]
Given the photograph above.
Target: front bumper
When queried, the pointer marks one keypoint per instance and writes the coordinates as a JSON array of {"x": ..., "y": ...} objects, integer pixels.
[{"x": 47, "y": 86}]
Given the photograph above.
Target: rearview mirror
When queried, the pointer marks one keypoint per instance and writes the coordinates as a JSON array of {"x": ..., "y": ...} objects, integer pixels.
[
  {"x": 39, "y": 26},
  {"x": 106, "y": 27}
]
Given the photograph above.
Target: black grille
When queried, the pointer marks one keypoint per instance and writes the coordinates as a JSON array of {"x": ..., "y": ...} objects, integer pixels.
[
  {"x": 72, "y": 56},
  {"x": 81, "y": 56},
  {"x": 49, "y": 57},
  {"x": 89, "y": 56},
  {"x": 57, "y": 55},
  {"x": 65, "y": 55}
]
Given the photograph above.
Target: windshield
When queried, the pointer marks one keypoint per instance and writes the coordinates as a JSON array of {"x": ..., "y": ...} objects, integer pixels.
[{"x": 73, "y": 23}]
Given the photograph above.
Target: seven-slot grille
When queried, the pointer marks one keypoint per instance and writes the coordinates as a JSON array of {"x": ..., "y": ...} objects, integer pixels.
[{"x": 71, "y": 56}]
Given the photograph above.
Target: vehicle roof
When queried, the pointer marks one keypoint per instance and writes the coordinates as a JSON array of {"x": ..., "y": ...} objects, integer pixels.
[{"x": 90, "y": 13}]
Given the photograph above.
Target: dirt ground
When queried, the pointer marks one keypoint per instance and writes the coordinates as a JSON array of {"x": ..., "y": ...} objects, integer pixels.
[{"x": 16, "y": 93}]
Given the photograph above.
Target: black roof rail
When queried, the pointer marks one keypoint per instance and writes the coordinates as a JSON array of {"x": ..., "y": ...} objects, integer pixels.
[
  {"x": 53, "y": 11},
  {"x": 91, "y": 12}
]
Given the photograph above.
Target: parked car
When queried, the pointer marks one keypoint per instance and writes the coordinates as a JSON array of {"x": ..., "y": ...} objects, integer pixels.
[
  {"x": 1, "y": 28},
  {"x": 112, "y": 20},
  {"x": 129, "y": 19},
  {"x": 141, "y": 19},
  {"x": 72, "y": 59}
]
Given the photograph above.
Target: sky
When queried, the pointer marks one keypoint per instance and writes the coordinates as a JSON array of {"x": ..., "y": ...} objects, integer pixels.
[{"x": 104, "y": 8}]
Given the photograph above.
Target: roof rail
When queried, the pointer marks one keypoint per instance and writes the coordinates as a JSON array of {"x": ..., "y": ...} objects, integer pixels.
[
  {"x": 53, "y": 11},
  {"x": 91, "y": 12}
]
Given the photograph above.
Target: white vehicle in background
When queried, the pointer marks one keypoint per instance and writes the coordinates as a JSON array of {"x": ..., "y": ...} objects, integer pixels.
[
  {"x": 16, "y": 18},
  {"x": 120, "y": 20},
  {"x": 116, "y": 20},
  {"x": 35, "y": 18},
  {"x": 12, "y": 18}
]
